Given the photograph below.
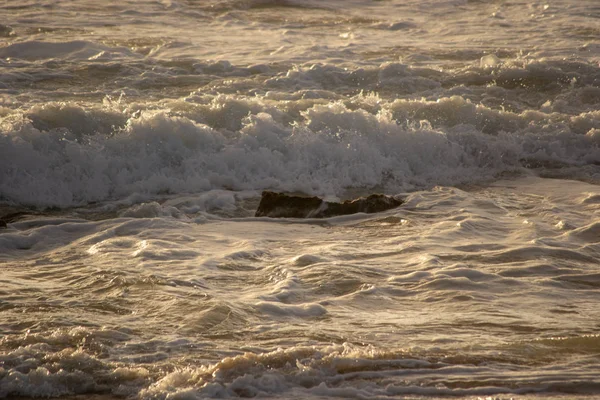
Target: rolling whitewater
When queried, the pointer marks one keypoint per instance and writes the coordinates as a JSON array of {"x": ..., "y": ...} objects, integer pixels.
[{"x": 136, "y": 139}]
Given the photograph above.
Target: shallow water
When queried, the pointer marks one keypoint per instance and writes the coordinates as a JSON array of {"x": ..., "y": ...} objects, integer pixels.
[
  {"x": 468, "y": 293},
  {"x": 135, "y": 141}
]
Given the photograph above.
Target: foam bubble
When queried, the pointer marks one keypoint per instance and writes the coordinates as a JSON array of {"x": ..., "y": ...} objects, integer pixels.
[{"x": 490, "y": 61}]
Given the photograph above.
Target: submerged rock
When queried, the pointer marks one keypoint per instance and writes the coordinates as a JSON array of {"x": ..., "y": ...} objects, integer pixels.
[{"x": 279, "y": 205}]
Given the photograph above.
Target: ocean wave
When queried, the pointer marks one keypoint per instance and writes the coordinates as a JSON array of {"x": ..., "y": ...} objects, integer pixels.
[
  {"x": 354, "y": 372},
  {"x": 77, "y": 50},
  {"x": 66, "y": 154}
]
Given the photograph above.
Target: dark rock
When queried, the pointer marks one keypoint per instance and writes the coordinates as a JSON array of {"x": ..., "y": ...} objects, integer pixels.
[
  {"x": 2, "y": 224},
  {"x": 16, "y": 216},
  {"x": 279, "y": 205}
]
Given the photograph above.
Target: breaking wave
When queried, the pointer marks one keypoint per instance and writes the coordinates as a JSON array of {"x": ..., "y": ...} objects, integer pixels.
[{"x": 310, "y": 140}]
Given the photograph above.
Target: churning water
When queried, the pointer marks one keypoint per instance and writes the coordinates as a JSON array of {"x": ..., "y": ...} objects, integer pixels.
[{"x": 137, "y": 136}]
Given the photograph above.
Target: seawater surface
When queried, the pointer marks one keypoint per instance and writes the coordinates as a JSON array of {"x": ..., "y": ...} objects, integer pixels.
[{"x": 137, "y": 137}]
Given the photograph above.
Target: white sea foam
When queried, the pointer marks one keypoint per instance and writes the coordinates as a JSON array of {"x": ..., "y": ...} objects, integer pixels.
[{"x": 55, "y": 159}]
